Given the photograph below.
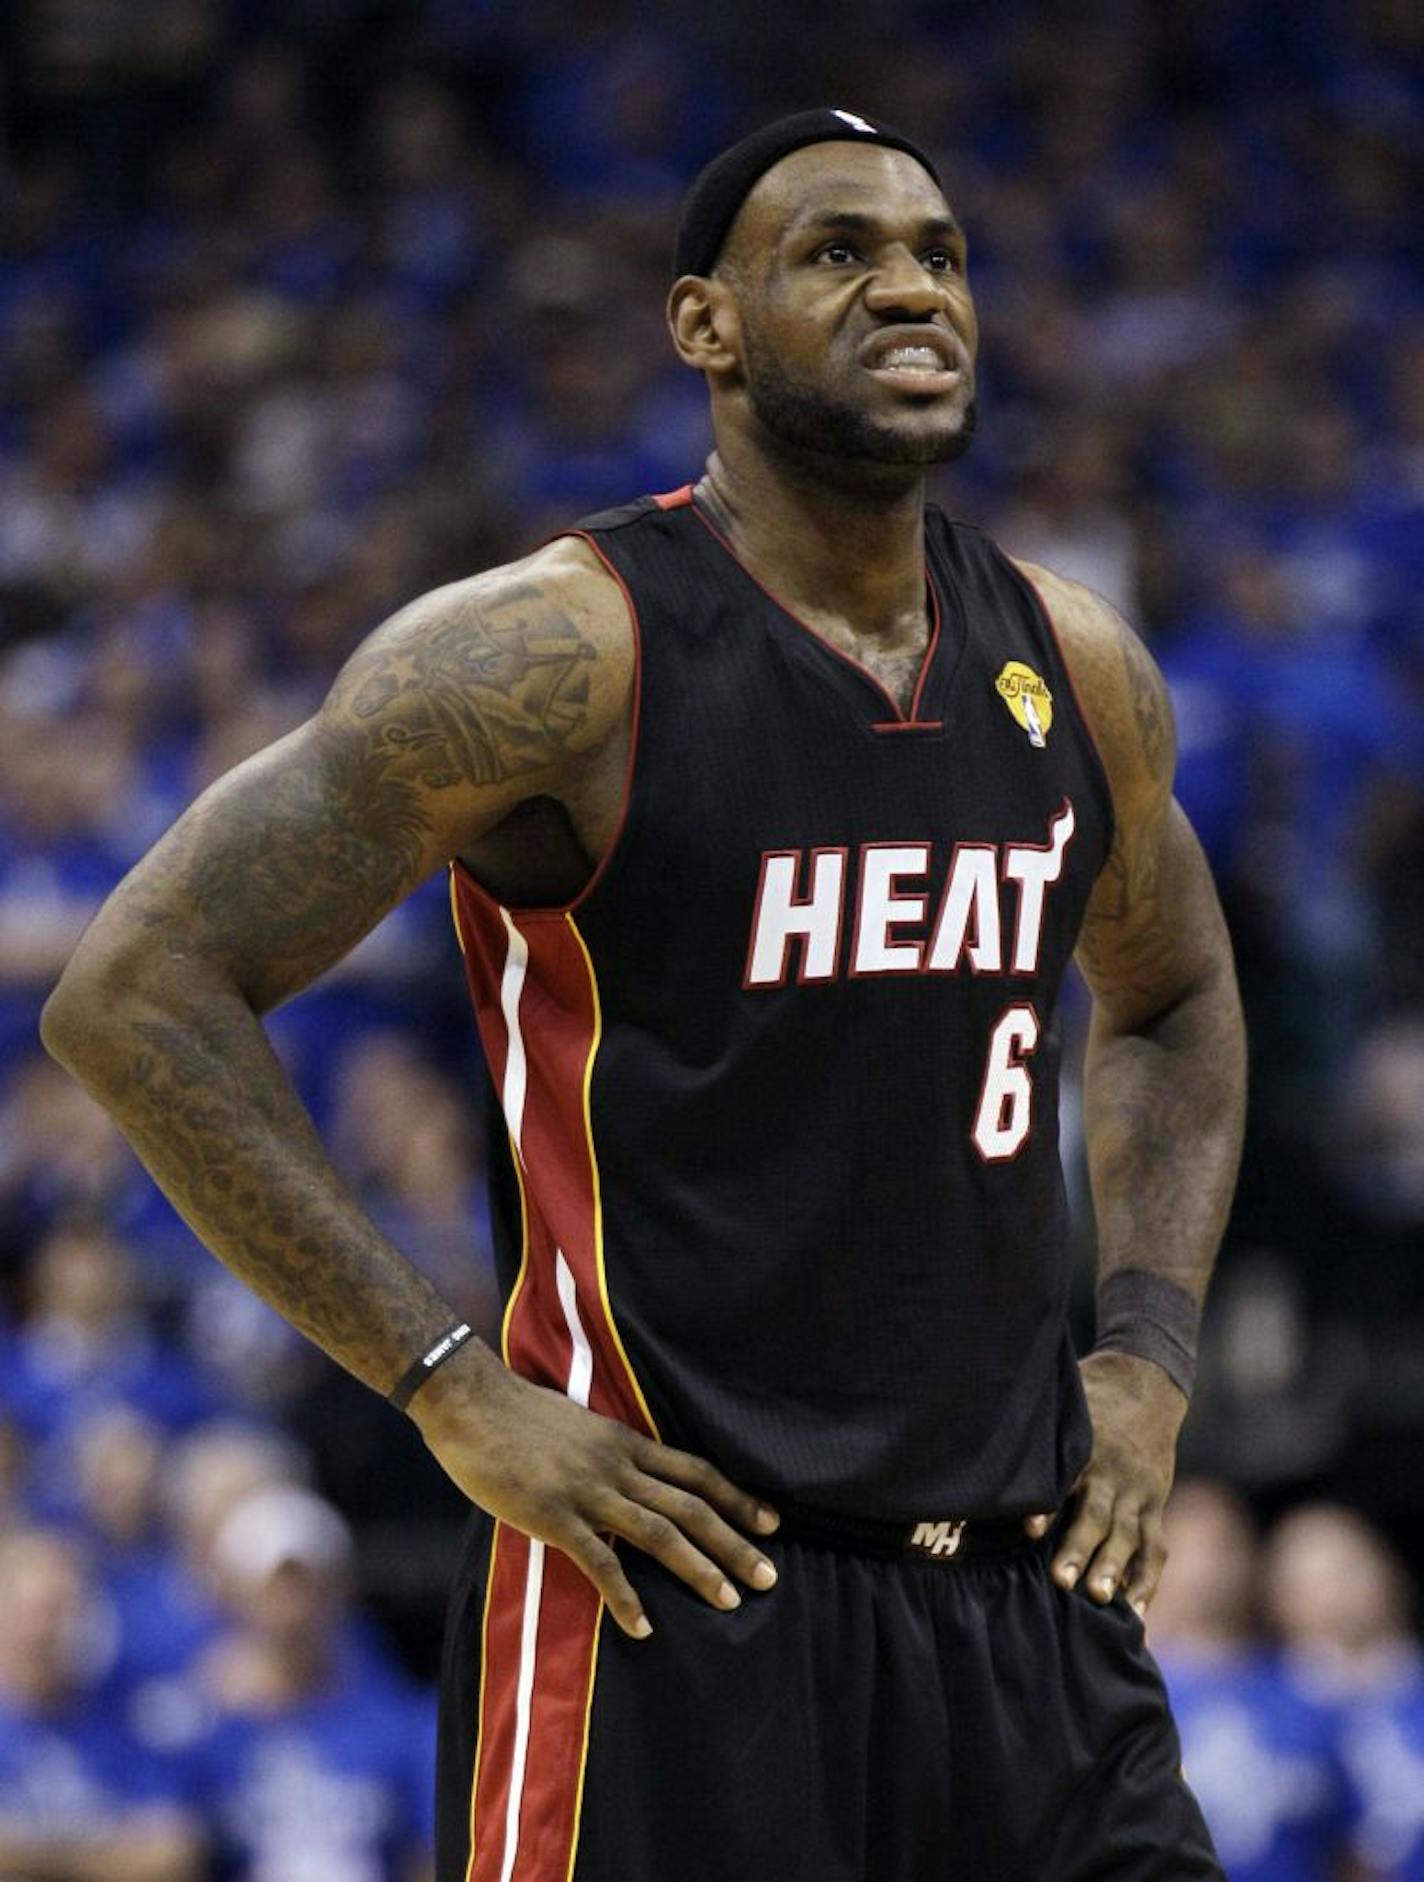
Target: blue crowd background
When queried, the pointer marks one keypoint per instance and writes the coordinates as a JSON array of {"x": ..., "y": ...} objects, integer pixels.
[{"x": 306, "y": 308}]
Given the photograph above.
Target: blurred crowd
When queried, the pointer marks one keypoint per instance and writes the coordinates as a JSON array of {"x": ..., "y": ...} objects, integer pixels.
[
  {"x": 185, "y": 1687},
  {"x": 306, "y": 309},
  {"x": 188, "y": 1690},
  {"x": 1297, "y": 1676}
]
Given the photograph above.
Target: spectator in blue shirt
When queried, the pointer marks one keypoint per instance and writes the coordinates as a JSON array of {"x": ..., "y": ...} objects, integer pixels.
[
  {"x": 164, "y": 1595},
  {"x": 60, "y": 1157},
  {"x": 1339, "y": 1600},
  {"x": 86, "y": 1342},
  {"x": 1262, "y": 1761},
  {"x": 81, "y": 1800},
  {"x": 102, "y": 1485},
  {"x": 1384, "y": 1748},
  {"x": 311, "y": 1766}
]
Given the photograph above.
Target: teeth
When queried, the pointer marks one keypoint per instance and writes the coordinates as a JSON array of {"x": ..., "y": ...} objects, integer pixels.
[{"x": 911, "y": 359}]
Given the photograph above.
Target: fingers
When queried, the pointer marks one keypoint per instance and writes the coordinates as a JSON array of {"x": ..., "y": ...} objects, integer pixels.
[
  {"x": 673, "y": 1506},
  {"x": 705, "y": 1481},
  {"x": 700, "y": 1521},
  {"x": 659, "y": 1536},
  {"x": 676, "y": 1507},
  {"x": 1104, "y": 1573},
  {"x": 1087, "y": 1529},
  {"x": 1151, "y": 1560},
  {"x": 600, "y": 1563},
  {"x": 1037, "y": 1526},
  {"x": 1108, "y": 1536},
  {"x": 663, "y": 1521}
]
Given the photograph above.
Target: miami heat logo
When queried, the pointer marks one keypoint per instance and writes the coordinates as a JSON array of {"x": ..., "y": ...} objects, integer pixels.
[
  {"x": 917, "y": 909},
  {"x": 1028, "y": 699}
]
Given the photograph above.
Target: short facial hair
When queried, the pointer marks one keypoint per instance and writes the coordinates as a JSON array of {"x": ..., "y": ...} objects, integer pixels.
[{"x": 808, "y": 418}]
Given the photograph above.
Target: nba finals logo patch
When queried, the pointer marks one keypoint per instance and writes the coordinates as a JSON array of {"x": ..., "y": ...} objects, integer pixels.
[{"x": 1028, "y": 699}]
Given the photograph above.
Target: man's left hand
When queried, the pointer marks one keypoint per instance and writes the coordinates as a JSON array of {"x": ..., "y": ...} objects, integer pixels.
[{"x": 1116, "y": 1530}]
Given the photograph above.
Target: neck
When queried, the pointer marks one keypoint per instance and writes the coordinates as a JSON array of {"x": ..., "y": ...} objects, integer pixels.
[{"x": 827, "y": 538}]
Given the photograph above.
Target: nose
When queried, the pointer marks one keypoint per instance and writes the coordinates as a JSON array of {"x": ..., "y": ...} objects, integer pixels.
[{"x": 902, "y": 284}]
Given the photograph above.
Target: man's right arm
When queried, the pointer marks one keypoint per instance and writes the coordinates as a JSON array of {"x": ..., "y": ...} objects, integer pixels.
[{"x": 470, "y": 701}]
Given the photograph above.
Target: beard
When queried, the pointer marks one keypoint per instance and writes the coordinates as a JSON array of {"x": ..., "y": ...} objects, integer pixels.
[{"x": 812, "y": 419}]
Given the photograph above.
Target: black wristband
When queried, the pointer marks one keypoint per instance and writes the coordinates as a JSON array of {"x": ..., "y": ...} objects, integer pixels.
[
  {"x": 1155, "y": 1319},
  {"x": 415, "y": 1375}
]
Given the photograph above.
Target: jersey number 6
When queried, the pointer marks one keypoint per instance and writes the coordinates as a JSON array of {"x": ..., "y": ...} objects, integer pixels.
[{"x": 1005, "y": 1114}]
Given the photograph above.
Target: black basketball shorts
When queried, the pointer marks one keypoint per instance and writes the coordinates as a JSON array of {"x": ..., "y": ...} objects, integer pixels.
[{"x": 874, "y": 1718}]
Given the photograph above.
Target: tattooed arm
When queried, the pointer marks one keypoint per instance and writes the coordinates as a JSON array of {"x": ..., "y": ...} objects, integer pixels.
[
  {"x": 474, "y": 699},
  {"x": 1164, "y": 1091},
  {"x": 467, "y": 701}
]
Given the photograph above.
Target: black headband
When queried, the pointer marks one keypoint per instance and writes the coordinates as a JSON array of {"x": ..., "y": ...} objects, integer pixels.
[{"x": 718, "y": 193}]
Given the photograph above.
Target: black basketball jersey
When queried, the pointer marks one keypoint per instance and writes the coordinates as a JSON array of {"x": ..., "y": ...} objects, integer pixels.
[{"x": 782, "y": 1082}]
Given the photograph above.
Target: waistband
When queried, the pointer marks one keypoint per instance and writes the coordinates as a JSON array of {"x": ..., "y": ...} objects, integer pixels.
[{"x": 948, "y": 1542}]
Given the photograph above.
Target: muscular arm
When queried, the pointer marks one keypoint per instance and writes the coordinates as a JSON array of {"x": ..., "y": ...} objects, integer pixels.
[
  {"x": 1164, "y": 1092},
  {"x": 1166, "y": 1071},
  {"x": 472, "y": 700}
]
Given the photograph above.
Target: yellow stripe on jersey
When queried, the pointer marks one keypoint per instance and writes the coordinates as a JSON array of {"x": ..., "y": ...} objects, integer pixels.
[
  {"x": 455, "y": 911},
  {"x": 583, "y": 1754},
  {"x": 593, "y": 1172}
]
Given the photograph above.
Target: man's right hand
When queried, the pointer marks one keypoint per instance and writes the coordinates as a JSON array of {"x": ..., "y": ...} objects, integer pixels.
[{"x": 572, "y": 1478}]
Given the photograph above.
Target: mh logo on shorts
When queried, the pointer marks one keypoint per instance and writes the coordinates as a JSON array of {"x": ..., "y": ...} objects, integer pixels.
[{"x": 938, "y": 1539}]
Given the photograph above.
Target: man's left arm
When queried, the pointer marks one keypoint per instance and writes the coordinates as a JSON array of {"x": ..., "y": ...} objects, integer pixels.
[{"x": 1164, "y": 1103}]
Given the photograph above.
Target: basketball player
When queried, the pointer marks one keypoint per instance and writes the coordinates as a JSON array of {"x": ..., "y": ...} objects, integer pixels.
[{"x": 778, "y": 805}]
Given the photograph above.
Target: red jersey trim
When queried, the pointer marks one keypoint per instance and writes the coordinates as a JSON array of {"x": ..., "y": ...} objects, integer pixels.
[
  {"x": 931, "y": 645},
  {"x": 542, "y": 1624},
  {"x": 537, "y": 1003},
  {"x": 600, "y": 1266},
  {"x": 481, "y": 1739}
]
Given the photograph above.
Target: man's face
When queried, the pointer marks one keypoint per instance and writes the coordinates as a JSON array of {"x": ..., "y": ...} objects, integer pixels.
[{"x": 858, "y": 331}]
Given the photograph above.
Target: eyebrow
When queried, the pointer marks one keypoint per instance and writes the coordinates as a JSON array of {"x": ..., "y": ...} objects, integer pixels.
[{"x": 855, "y": 222}]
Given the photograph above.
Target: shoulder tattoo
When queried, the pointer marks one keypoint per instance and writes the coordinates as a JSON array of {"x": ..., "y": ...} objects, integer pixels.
[
  {"x": 476, "y": 694},
  {"x": 290, "y": 859}
]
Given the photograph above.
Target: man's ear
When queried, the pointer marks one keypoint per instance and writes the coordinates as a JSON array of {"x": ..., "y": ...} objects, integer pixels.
[{"x": 705, "y": 323}]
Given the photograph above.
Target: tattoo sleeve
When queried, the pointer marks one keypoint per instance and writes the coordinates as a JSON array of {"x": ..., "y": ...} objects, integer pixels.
[
  {"x": 1166, "y": 1072},
  {"x": 433, "y": 732}
]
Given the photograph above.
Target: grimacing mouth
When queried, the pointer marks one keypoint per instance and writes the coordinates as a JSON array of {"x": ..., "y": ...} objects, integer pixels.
[{"x": 929, "y": 348}]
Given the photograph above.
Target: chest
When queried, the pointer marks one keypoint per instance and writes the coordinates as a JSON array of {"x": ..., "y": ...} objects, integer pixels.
[
  {"x": 788, "y": 825},
  {"x": 896, "y": 669},
  {"x": 754, "y": 734}
]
